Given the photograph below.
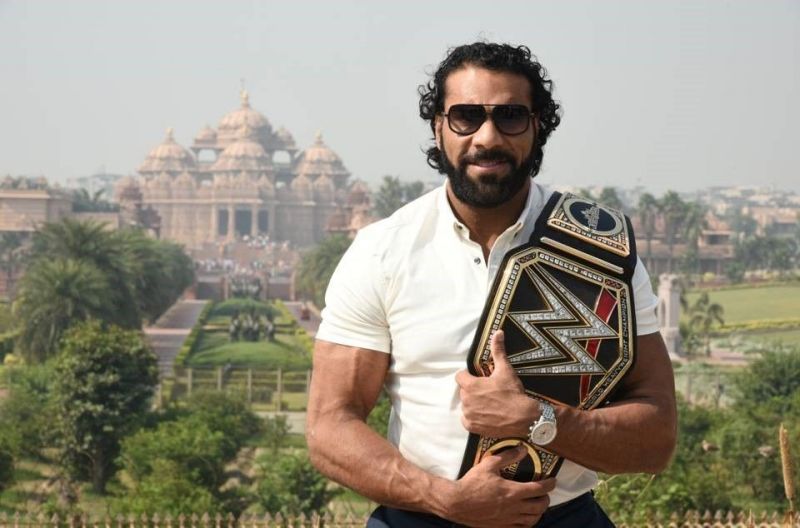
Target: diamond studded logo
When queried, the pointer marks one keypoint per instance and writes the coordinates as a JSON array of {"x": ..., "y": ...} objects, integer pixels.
[{"x": 552, "y": 334}]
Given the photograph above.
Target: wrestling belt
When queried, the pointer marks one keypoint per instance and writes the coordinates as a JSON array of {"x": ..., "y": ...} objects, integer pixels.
[{"x": 565, "y": 303}]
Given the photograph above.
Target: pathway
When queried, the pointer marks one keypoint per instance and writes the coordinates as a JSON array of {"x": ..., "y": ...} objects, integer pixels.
[{"x": 167, "y": 335}]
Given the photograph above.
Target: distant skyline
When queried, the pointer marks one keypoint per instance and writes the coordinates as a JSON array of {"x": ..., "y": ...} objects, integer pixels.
[{"x": 667, "y": 94}]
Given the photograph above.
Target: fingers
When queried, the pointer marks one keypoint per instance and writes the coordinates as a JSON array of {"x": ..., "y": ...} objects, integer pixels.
[
  {"x": 497, "y": 345},
  {"x": 541, "y": 487},
  {"x": 498, "y": 461},
  {"x": 464, "y": 378}
]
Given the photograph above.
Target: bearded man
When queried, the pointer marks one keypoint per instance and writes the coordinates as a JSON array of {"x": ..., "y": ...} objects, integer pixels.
[{"x": 403, "y": 307}]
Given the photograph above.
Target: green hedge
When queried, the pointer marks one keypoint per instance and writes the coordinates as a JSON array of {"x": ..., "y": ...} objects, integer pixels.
[
  {"x": 188, "y": 345},
  {"x": 765, "y": 324},
  {"x": 233, "y": 306}
]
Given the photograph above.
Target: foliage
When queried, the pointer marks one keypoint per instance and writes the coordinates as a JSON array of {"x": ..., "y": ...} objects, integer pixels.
[
  {"x": 291, "y": 485},
  {"x": 767, "y": 253},
  {"x": 225, "y": 414},
  {"x": 83, "y": 202},
  {"x": 161, "y": 271},
  {"x": 393, "y": 194},
  {"x": 183, "y": 459},
  {"x": 6, "y": 462},
  {"x": 703, "y": 316},
  {"x": 317, "y": 267},
  {"x": 93, "y": 244},
  {"x": 276, "y": 431},
  {"x": 27, "y": 412},
  {"x": 234, "y": 306},
  {"x": 103, "y": 383},
  {"x": 53, "y": 295},
  {"x": 189, "y": 344},
  {"x": 82, "y": 270},
  {"x": 168, "y": 489}
]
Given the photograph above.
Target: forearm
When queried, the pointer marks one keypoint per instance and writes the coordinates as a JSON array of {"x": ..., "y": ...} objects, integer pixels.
[
  {"x": 634, "y": 436},
  {"x": 346, "y": 450}
]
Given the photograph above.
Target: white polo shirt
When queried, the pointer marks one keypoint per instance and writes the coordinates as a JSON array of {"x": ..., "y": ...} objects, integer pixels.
[{"x": 414, "y": 285}]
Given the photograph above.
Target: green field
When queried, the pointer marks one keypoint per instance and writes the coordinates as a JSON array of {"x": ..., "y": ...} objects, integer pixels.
[
  {"x": 756, "y": 304},
  {"x": 215, "y": 349}
]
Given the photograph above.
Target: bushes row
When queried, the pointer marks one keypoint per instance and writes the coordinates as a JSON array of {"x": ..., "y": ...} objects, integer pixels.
[{"x": 191, "y": 340}]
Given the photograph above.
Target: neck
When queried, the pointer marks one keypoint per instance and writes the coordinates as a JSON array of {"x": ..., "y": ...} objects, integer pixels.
[{"x": 487, "y": 224}]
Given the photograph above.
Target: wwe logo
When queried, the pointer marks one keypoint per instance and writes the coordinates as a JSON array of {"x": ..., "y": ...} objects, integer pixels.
[{"x": 592, "y": 216}]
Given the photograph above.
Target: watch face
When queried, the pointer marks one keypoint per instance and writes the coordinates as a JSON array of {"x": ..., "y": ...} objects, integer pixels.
[{"x": 543, "y": 433}]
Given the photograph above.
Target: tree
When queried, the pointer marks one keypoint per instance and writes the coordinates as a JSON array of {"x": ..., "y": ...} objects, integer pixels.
[
  {"x": 648, "y": 212},
  {"x": 91, "y": 242},
  {"x": 609, "y": 197},
  {"x": 290, "y": 485},
  {"x": 694, "y": 222},
  {"x": 11, "y": 257},
  {"x": 27, "y": 412},
  {"x": 160, "y": 271},
  {"x": 83, "y": 202},
  {"x": 317, "y": 267},
  {"x": 103, "y": 386},
  {"x": 393, "y": 194},
  {"x": 52, "y": 296},
  {"x": 703, "y": 316},
  {"x": 673, "y": 210}
]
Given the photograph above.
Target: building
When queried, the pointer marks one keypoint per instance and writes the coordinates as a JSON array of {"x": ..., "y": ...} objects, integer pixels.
[{"x": 242, "y": 180}]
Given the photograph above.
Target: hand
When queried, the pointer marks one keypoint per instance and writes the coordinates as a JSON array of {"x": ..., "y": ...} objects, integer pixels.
[
  {"x": 483, "y": 497},
  {"x": 496, "y": 405}
]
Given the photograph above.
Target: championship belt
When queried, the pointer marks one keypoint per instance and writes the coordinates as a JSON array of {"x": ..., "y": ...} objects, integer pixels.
[{"x": 565, "y": 303}]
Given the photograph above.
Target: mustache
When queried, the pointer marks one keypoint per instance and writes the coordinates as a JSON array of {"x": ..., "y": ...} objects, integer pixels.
[{"x": 488, "y": 155}]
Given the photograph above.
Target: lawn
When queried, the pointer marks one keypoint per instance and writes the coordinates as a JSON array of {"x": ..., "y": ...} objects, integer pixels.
[
  {"x": 214, "y": 349},
  {"x": 756, "y": 304}
]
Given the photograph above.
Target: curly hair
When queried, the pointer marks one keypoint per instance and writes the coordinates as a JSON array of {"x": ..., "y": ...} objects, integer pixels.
[{"x": 496, "y": 57}]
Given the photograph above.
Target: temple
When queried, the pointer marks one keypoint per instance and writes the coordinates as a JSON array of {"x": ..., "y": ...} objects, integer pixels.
[{"x": 243, "y": 180}]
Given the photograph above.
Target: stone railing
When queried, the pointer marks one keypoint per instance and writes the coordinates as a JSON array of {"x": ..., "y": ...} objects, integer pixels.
[{"x": 691, "y": 519}]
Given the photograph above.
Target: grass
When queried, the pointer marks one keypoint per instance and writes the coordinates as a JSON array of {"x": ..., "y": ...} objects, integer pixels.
[
  {"x": 756, "y": 304},
  {"x": 214, "y": 349},
  {"x": 787, "y": 337}
]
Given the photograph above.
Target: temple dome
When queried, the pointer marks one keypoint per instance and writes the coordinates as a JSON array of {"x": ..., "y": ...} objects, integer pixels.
[
  {"x": 319, "y": 159},
  {"x": 207, "y": 135},
  {"x": 244, "y": 154},
  {"x": 230, "y": 127},
  {"x": 324, "y": 190},
  {"x": 285, "y": 139},
  {"x": 168, "y": 156},
  {"x": 302, "y": 188}
]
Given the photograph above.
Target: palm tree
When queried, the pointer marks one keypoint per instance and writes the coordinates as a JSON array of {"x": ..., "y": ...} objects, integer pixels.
[
  {"x": 11, "y": 256},
  {"x": 91, "y": 242},
  {"x": 317, "y": 266},
  {"x": 673, "y": 209},
  {"x": 610, "y": 198},
  {"x": 53, "y": 295},
  {"x": 694, "y": 222},
  {"x": 648, "y": 212},
  {"x": 704, "y": 315}
]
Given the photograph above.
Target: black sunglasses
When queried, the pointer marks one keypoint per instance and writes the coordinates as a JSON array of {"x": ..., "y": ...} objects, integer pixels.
[{"x": 510, "y": 119}]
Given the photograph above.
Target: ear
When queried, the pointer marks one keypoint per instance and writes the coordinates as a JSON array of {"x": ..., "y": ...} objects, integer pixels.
[{"x": 437, "y": 130}]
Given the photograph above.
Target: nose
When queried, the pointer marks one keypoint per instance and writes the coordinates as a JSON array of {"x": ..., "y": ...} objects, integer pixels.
[{"x": 487, "y": 136}]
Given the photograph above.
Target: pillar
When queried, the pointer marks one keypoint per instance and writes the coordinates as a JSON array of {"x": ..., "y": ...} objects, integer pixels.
[
  {"x": 231, "y": 222},
  {"x": 254, "y": 221}
]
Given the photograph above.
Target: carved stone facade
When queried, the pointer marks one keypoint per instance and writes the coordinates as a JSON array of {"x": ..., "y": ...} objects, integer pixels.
[{"x": 242, "y": 179}]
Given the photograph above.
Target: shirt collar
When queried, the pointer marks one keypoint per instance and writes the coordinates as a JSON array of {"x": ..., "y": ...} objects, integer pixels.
[{"x": 521, "y": 229}]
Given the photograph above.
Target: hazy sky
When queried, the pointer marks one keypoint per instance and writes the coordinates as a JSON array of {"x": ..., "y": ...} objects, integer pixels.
[{"x": 664, "y": 94}]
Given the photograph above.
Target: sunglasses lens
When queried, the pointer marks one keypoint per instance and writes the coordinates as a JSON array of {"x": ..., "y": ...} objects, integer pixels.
[
  {"x": 511, "y": 119},
  {"x": 465, "y": 118}
]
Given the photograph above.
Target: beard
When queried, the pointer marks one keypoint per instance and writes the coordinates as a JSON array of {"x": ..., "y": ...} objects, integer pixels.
[{"x": 491, "y": 190}]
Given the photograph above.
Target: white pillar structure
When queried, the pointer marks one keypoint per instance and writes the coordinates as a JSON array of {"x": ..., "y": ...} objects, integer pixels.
[{"x": 669, "y": 313}]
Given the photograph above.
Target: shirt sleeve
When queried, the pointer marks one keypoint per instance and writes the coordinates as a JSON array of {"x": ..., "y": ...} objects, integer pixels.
[
  {"x": 354, "y": 313},
  {"x": 644, "y": 300}
]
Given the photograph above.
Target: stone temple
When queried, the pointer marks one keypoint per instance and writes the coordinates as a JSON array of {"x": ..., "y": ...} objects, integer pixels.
[{"x": 243, "y": 180}]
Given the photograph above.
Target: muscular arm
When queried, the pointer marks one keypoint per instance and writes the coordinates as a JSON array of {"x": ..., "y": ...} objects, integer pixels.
[
  {"x": 345, "y": 385},
  {"x": 635, "y": 434}
]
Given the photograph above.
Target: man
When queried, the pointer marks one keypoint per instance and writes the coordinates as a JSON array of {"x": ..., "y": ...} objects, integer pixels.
[{"x": 402, "y": 309}]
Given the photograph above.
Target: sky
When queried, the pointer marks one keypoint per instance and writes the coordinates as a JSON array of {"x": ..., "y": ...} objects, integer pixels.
[{"x": 659, "y": 94}]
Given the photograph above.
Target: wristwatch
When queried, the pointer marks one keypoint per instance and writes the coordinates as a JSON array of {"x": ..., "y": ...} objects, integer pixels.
[{"x": 543, "y": 430}]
